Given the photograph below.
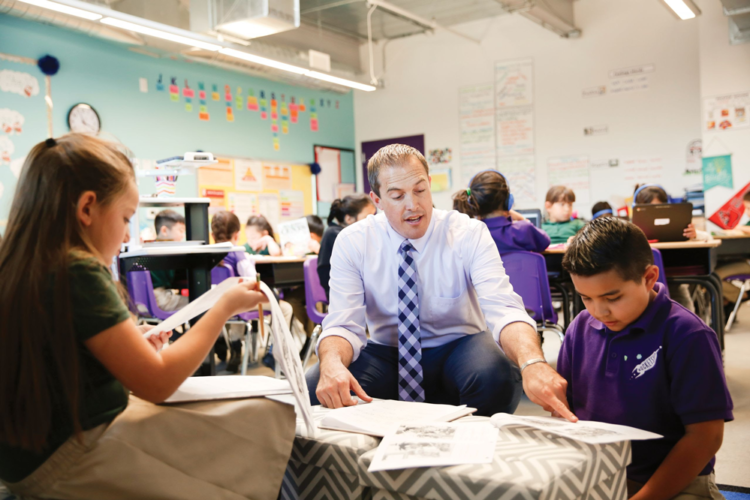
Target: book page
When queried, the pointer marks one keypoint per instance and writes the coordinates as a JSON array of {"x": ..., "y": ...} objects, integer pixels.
[
  {"x": 436, "y": 445},
  {"x": 585, "y": 431},
  {"x": 208, "y": 388}
]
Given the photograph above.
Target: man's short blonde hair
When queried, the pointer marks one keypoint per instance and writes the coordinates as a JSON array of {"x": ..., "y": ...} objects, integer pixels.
[{"x": 393, "y": 155}]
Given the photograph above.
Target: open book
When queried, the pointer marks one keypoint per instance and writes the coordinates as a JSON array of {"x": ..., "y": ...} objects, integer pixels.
[
  {"x": 382, "y": 416},
  {"x": 208, "y": 388}
]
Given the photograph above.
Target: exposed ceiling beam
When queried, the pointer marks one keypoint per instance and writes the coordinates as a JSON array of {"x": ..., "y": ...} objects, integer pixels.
[{"x": 329, "y": 6}]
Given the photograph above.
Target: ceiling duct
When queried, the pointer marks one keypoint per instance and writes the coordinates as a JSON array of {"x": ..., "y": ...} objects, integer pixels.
[
  {"x": 245, "y": 19},
  {"x": 738, "y": 12}
]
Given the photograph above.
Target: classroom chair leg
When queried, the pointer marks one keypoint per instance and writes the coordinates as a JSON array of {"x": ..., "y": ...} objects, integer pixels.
[{"x": 311, "y": 345}]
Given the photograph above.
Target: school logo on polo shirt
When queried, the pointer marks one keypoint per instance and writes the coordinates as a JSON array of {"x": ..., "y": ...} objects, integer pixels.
[{"x": 646, "y": 365}]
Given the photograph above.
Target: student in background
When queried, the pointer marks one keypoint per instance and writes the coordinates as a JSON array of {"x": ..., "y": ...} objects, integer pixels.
[
  {"x": 731, "y": 292},
  {"x": 559, "y": 206},
  {"x": 260, "y": 238},
  {"x": 651, "y": 194},
  {"x": 70, "y": 354},
  {"x": 637, "y": 358},
  {"x": 344, "y": 212},
  {"x": 169, "y": 226},
  {"x": 315, "y": 224},
  {"x": 225, "y": 226},
  {"x": 601, "y": 209},
  {"x": 489, "y": 200}
]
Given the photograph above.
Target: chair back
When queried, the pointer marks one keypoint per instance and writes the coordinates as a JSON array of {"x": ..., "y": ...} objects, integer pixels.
[
  {"x": 221, "y": 272},
  {"x": 141, "y": 290},
  {"x": 314, "y": 291},
  {"x": 527, "y": 272},
  {"x": 659, "y": 262}
]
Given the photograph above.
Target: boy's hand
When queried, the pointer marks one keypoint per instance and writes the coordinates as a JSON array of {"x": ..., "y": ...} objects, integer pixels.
[
  {"x": 515, "y": 215},
  {"x": 545, "y": 387},
  {"x": 690, "y": 232},
  {"x": 242, "y": 297}
]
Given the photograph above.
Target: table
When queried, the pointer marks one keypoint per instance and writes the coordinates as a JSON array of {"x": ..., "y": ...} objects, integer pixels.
[
  {"x": 198, "y": 260},
  {"x": 280, "y": 272},
  {"x": 528, "y": 464},
  {"x": 734, "y": 247}
]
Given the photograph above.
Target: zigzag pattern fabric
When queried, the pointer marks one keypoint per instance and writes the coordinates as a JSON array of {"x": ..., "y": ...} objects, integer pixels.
[{"x": 410, "y": 374}]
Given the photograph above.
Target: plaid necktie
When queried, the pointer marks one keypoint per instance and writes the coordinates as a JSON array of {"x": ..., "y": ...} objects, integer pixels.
[{"x": 410, "y": 373}]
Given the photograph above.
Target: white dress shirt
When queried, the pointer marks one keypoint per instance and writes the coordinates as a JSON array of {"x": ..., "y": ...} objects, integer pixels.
[{"x": 463, "y": 288}]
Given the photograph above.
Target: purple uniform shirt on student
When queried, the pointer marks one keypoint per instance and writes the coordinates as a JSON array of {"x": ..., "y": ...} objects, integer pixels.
[
  {"x": 510, "y": 236},
  {"x": 240, "y": 264},
  {"x": 660, "y": 373}
]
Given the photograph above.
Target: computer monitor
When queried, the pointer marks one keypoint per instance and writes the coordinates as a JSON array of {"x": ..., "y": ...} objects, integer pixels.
[{"x": 533, "y": 215}]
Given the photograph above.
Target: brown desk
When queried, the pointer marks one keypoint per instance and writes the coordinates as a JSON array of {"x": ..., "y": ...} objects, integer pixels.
[
  {"x": 734, "y": 247},
  {"x": 281, "y": 272}
]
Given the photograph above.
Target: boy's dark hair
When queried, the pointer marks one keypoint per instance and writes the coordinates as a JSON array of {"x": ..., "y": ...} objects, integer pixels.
[
  {"x": 224, "y": 225},
  {"x": 746, "y": 196},
  {"x": 609, "y": 243},
  {"x": 649, "y": 194},
  {"x": 351, "y": 205},
  {"x": 261, "y": 223},
  {"x": 167, "y": 218},
  {"x": 487, "y": 193},
  {"x": 560, "y": 193},
  {"x": 598, "y": 207},
  {"x": 315, "y": 224}
]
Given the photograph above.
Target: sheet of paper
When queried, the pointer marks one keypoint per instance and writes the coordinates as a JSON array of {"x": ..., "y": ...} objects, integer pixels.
[
  {"x": 436, "y": 445},
  {"x": 382, "y": 417},
  {"x": 586, "y": 431},
  {"x": 294, "y": 237},
  {"x": 476, "y": 111},
  {"x": 573, "y": 172},
  {"x": 194, "y": 308},
  {"x": 208, "y": 388}
]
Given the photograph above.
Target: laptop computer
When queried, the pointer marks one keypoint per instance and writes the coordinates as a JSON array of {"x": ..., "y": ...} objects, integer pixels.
[
  {"x": 533, "y": 215},
  {"x": 663, "y": 222}
]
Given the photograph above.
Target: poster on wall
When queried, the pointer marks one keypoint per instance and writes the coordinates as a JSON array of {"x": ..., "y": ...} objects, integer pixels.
[
  {"x": 643, "y": 170},
  {"x": 726, "y": 112},
  {"x": 248, "y": 175},
  {"x": 520, "y": 173},
  {"x": 515, "y": 131},
  {"x": 329, "y": 177},
  {"x": 476, "y": 128},
  {"x": 729, "y": 215},
  {"x": 717, "y": 171},
  {"x": 219, "y": 174},
  {"x": 634, "y": 79},
  {"x": 243, "y": 205},
  {"x": 268, "y": 206},
  {"x": 441, "y": 180},
  {"x": 514, "y": 83},
  {"x": 345, "y": 189},
  {"x": 573, "y": 172},
  {"x": 292, "y": 204},
  {"x": 277, "y": 176}
]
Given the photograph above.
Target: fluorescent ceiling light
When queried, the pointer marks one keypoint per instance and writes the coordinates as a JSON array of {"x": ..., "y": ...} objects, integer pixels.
[
  {"x": 684, "y": 9},
  {"x": 245, "y": 29},
  {"x": 46, "y": 4},
  {"x": 295, "y": 69},
  {"x": 117, "y": 23},
  {"x": 263, "y": 61}
]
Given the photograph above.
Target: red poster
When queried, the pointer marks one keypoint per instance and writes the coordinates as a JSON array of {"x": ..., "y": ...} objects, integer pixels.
[{"x": 729, "y": 215}]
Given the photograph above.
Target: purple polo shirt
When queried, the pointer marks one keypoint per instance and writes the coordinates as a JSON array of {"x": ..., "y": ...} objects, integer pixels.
[
  {"x": 659, "y": 374},
  {"x": 232, "y": 259},
  {"x": 511, "y": 235}
]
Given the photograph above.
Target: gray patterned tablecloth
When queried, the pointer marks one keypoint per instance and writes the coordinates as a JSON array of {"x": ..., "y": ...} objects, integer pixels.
[{"x": 528, "y": 464}]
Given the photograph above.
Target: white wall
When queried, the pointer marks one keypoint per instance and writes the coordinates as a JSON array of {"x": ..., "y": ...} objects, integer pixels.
[
  {"x": 724, "y": 69},
  {"x": 423, "y": 74}
]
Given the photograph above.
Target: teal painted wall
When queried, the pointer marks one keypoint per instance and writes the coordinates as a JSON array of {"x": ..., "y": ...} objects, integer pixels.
[{"x": 106, "y": 76}]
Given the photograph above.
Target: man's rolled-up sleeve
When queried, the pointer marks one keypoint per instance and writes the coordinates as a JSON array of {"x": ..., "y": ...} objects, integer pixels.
[
  {"x": 346, "y": 309},
  {"x": 500, "y": 304}
]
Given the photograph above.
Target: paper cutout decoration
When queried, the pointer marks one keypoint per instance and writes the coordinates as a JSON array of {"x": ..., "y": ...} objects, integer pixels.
[
  {"x": 729, "y": 215},
  {"x": 11, "y": 122},
  {"x": 284, "y": 118},
  {"x": 274, "y": 107},
  {"x": 160, "y": 84},
  {"x": 16, "y": 166},
  {"x": 263, "y": 106},
  {"x": 227, "y": 93},
  {"x": 337, "y": 105},
  {"x": 252, "y": 101},
  {"x": 313, "y": 116},
  {"x": 187, "y": 92},
  {"x": 228, "y": 99},
  {"x": 17, "y": 82},
  {"x": 717, "y": 171},
  {"x": 276, "y": 145},
  {"x": 174, "y": 91},
  {"x": 302, "y": 107},
  {"x": 7, "y": 148},
  {"x": 441, "y": 180},
  {"x": 293, "y": 111},
  {"x": 215, "y": 93},
  {"x": 203, "y": 110},
  {"x": 239, "y": 100}
]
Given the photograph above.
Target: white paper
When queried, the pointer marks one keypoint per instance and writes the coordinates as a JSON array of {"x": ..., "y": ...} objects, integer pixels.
[
  {"x": 436, "y": 445},
  {"x": 515, "y": 131},
  {"x": 294, "y": 237},
  {"x": 573, "y": 172},
  {"x": 292, "y": 203},
  {"x": 228, "y": 387},
  {"x": 726, "y": 112},
  {"x": 243, "y": 205},
  {"x": 514, "y": 83},
  {"x": 476, "y": 111},
  {"x": 248, "y": 175},
  {"x": 585, "y": 431},
  {"x": 196, "y": 307},
  {"x": 330, "y": 172},
  {"x": 19, "y": 83},
  {"x": 520, "y": 172},
  {"x": 382, "y": 417},
  {"x": 11, "y": 121},
  {"x": 630, "y": 79},
  {"x": 143, "y": 85},
  {"x": 268, "y": 206}
]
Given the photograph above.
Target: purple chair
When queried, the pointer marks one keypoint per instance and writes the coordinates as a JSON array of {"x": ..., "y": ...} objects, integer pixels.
[
  {"x": 141, "y": 290},
  {"x": 252, "y": 339},
  {"x": 527, "y": 272},
  {"x": 659, "y": 262},
  {"x": 314, "y": 293},
  {"x": 745, "y": 278}
]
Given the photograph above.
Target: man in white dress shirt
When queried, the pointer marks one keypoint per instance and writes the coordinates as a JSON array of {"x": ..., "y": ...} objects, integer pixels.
[{"x": 445, "y": 325}]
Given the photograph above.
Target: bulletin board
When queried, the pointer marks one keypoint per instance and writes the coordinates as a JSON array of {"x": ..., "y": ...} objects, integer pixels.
[
  {"x": 337, "y": 177},
  {"x": 246, "y": 186}
]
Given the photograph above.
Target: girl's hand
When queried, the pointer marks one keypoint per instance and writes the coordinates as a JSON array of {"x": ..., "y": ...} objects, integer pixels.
[
  {"x": 157, "y": 340},
  {"x": 515, "y": 215},
  {"x": 260, "y": 244},
  {"x": 690, "y": 232},
  {"x": 242, "y": 297}
]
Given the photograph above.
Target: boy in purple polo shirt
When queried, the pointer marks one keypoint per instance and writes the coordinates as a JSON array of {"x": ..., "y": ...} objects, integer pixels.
[
  {"x": 489, "y": 200},
  {"x": 637, "y": 358}
]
